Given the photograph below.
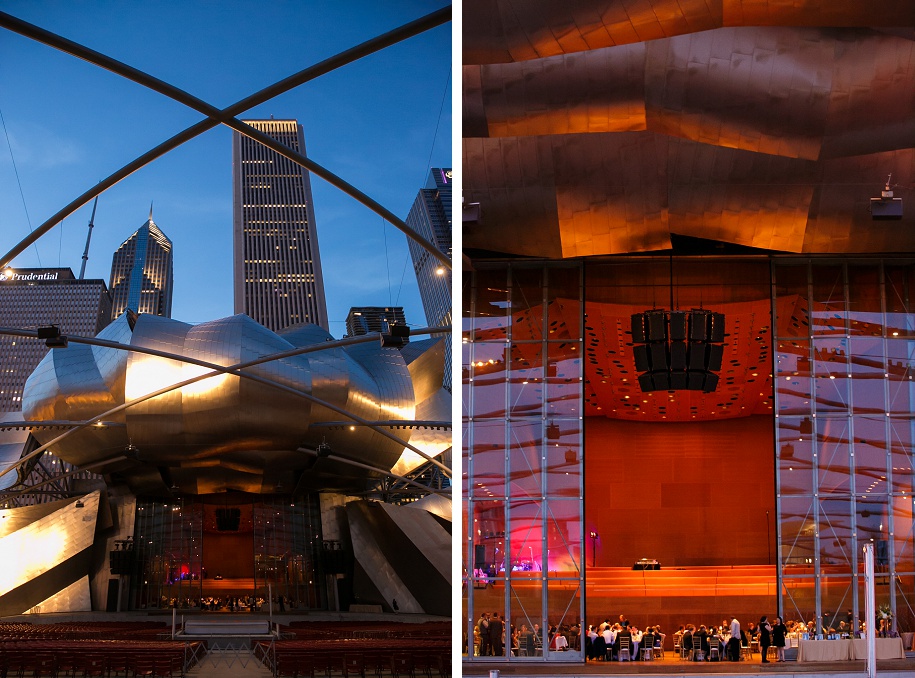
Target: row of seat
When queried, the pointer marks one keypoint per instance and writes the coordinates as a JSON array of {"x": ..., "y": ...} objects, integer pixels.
[
  {"x": 95, "y": 659},
  {"x": 697, "y": 653},
  {"x": 298, "y": 664},
  {"x": 315, "y": 630},
  {"x": 74, "y": 631}
]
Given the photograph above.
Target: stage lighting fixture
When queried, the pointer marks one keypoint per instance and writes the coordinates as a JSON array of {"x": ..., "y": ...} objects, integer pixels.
[{"x": 886, "y": 206}]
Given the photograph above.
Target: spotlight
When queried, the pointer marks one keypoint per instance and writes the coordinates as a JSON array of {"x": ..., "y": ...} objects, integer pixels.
[
  {"x": 398, "y": 336},
  {"x": 886, "y": 206},
  {"x": 52, "y": 336},
  {"x": 49, "y": 332}
]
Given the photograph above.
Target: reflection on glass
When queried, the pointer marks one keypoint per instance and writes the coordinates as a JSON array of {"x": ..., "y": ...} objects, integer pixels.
[
  {"x": 861, "y": 358},
  {"x": 524, "y": 373}
]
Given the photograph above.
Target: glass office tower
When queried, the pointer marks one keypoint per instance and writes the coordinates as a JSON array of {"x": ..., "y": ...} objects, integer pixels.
[
  {"x": 142, "y": 275},
  {"x": 278, "y": 278},
  {"x": 430, "y": 217}
]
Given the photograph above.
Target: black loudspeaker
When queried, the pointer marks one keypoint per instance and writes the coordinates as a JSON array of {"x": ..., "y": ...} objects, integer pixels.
[
  {"x": 645, "y": 382},
  {"x": 661, "y": 381},
  {"x": 677, "y": 356},
  {"x": 658, "y": 355},
  {"x": 334, "y": 561},
  {"x": 711, "y": 382},
  {"x": 228, "y": 519},
  {"x": 642, "y": 362},
  {"x": 678, "y": 381},
  {"x": 678, "y": 326},
  {"x": 479, "y": 556},
  {"x": 638, "y": 328},
  {"x": 656, "y": 326},
  {"x": 698, "y": 326},
  {"x": 697, "y": 357},
  {"x": 678, "y": 350},
  {"x": 715, "y": 354},
  {"x": 695, "y": 380},
  {"x": 120, "y": 562},
  {"x": 716, "y": 327}
]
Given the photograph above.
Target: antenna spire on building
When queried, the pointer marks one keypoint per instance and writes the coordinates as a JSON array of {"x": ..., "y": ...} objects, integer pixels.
[
  {"x": 150, "y": 209},
  {"x": 82, "y": 269}
]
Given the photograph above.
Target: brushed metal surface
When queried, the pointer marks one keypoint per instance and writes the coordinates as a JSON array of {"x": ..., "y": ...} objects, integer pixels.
[
  {"x": 604, "y": 128},
  {"x": 226, "y": 432},
  {"x": 40, "y": 544}
]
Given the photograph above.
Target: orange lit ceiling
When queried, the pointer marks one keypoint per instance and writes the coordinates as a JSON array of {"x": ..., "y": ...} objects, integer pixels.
[
  {"x": 611, "y": 380},
  {"x": 607, "y": 127}
]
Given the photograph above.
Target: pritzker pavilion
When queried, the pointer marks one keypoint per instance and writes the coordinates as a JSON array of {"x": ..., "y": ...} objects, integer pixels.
[
  {"x": 689, "y": 316},
  {"x": 162, "y": 463}
]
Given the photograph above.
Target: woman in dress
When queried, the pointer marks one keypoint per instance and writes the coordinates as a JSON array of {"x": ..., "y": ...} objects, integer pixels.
[
  {"x": 779, "y": 631},
  {"x": 765, "y": 638}
]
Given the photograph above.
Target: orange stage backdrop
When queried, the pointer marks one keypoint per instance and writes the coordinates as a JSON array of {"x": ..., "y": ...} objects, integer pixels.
[{"x": 685, "y": 494}]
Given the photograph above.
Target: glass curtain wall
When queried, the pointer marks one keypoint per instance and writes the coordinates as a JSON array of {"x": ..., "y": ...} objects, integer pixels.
[
  {"x": 168, "y": 554},
  {"x": 844, "y": 428},
  {"x": 287, "y": 550},
  {"x": 522, "y": 455},
  {"x": 843, "y": 463}
]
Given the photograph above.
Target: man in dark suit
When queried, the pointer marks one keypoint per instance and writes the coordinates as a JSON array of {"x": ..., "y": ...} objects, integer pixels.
[
  {"x": 483, "y": 623},
  {"x": 686, "y": 640},
  {"x": 496, "y": 627}
]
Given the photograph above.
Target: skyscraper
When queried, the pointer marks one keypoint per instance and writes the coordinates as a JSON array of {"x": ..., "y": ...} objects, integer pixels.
[
  {"x": 31, "y": 298},
  {"x": 141, "y": 273},
  {"x": 278, "y": 279},
  {"x": 430, "y": 217}
]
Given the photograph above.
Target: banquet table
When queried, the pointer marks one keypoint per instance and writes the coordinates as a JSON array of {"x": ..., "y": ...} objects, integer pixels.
[
  {"x": 887, "y": 648},
  {"x": 846, "y": 650}
]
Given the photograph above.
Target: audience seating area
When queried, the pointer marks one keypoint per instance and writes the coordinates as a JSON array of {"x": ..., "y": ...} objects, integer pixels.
[
  {"x": 91, "y": 650},
  {"x": 366, "y": 650},
  {"x": 144, "y": 650}
]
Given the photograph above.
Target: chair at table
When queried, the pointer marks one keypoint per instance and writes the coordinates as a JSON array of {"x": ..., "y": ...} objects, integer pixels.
[
  {"x": 686, "y": 652},
  {"x": 646, "y": 651},
  {"x": 697, "y": 654},
  {"x": 744, "y": 652},
  {"x": 659, "y": 646},
  {"x": 714, "y": 649},
  {"x": 624, "y": 649}
]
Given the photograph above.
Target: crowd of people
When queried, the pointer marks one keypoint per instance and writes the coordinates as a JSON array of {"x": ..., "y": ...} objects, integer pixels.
[
  {"x": 604, "y": 641},
  {"x": 621, "y": 639},
  {"x": 229, "y": 603},
  {"x": 491, "y": 638}
]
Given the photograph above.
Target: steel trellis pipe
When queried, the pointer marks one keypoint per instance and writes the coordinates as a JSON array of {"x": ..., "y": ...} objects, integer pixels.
[
  {"x": 235, "y": 370},
  {"x": 225, "y": 116}
]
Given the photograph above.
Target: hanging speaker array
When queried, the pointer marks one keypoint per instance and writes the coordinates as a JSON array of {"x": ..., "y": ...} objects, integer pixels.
[{"x": 678, "y": 350}]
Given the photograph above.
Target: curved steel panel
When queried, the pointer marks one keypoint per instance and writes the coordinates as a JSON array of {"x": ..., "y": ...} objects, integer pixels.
[{"x": 225, "y": 432}]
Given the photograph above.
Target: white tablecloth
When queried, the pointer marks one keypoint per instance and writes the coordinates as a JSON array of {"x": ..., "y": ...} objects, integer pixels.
[{"x": 845, "y": 650}]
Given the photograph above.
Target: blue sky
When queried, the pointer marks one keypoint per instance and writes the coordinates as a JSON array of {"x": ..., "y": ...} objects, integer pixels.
[{"x": 379, "y": 123}]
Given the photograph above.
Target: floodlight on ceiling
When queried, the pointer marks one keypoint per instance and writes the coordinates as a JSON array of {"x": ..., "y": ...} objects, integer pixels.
[{"x": 886, "y": 207}]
